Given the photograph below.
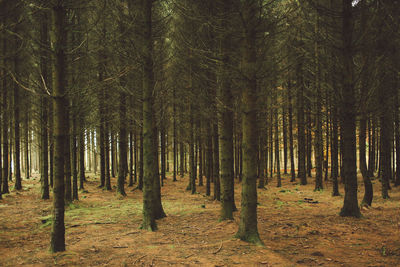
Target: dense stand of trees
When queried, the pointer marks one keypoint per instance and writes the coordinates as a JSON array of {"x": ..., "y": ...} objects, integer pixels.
[{"x": 225, "y": 91}]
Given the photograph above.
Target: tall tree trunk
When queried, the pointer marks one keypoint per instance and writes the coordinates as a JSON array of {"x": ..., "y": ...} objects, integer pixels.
[
  {"x": 17, "y": 143},
  {"x": 175, "y": 169},
  {"x": 348, "y": 117},
  {"x": 94, "y": 152},
  {"x": 89, "y": 150},
  {"x": 301, "y": 158},
  {"x": 291, "y": 146},
  {"x": 327, "y": 133},
  {"x": 11, "y": 155},
  {"x": 271, "y": 143},
  {"x": 112, "y": 159},
  {"x": 368, "y": 193},
  {"x": 209, "y": 159},
  {"x": 182, "y": 157},
  {"x": 372, "y": 145},
  {"x": 44, "y": 151},
  {"x": 163, "y": 153},
  {"x": 285, "y": 144},
  {"x": 135, "y": 155},
  {"x": 385, "y": 140},
  {"x": 51, "y": 141},
  {"x": 277, "y": 152},
  {"x": 216, "y": 167},
  {"x": 81, "y": 154},
  {"x": 248, "y": 216},
  {"x": 60, "y": 107},
  {"x": 5, "y": 126},
  {"x": 130, "y": 158},
  {"x": 397, "y": 138},
  {"x": 318, "y": 142},
  {"x": 151, "y": 207},
  {"x": 74, "y": 158},
  {"x": 200, "y": 144},
  {"x": 107, "y": 156},
  {"x": 335, "y": 150},
  {"x": 141, "y": 163},
  {"x": 309, "y": 141},
  {"x": 261, "y": 160},
  {"x": 67, "y": 161},
  {"x": 122, "y": 145},
  {"x": 26, "y": 136},
  {"x": 192, "y": 178}
]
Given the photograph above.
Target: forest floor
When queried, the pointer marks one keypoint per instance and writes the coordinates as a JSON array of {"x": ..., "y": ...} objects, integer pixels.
[{"x": 103, "y": 229}]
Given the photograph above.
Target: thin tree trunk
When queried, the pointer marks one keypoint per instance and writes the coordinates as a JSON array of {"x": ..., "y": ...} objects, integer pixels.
[
  {"x": 309, "y": 142},
  {"x": 135, "y": 155},
  {"x": 74, "y": 159},
  {"x": 17, "y": 143},
  {"x": 60, "y": 105},
  {"x": 140, "y": 183},
  {"x": 122, "y": 145},
  {"x": 112, "y": 149},
  {"x": 152, "y": 208},
  {"x": 130, "y": 158},
  {"x": 26, "y": 154},
  {"x": 277, "y": 157},
  {"x": 348, "y": 118},
  {"x": 192, "y": 178},
  {"x": 216, "y": 170},
  {"x": 163, "y": 145},
  {"x": 248, "y": 216},
  {"x": 318, "y": 142},
  {"x": 209, "y": 159},
  {"x": 334, "y": 151},
  {"x": 5, "y": 126},
  {"x": 175, "y": 169},
  {"x": 291, "y": 146},
  {"x": 81, "y": 155},
  {"x": 107, "y": 156},
  {"x": 200, "y": 144},
  {"x": 67, "y": 161},
  {"x": 285, "y": 143}
]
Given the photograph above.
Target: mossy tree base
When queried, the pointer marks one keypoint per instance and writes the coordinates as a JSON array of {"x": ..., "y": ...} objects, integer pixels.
[
  {"x": 250, "y": 237},
  {"x": 350, "y": 212}
]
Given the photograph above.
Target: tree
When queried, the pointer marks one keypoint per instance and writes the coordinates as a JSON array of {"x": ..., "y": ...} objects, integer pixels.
[
  {"x": 301, "y": 138},
  {"x": 60, "y": 106},
  {"x": 44, "y": 37},
  {"x": 225, "y": 121},
  {"x": 348, "y": 115},
  {"x": 248, "y": 215},
  {"x": 151, "y": 209}
]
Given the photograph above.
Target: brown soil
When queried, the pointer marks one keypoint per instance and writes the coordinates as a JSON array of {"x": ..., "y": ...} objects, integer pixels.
[{"x": 103, "y": 229}]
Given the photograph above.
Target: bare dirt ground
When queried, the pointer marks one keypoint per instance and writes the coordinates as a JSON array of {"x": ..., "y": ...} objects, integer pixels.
[{"x": 103, "y": 229}]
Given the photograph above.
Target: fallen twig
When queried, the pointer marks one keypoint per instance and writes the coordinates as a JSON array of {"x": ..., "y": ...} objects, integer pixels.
[
  {"x": 138, "y": 259},
  {"x": 188, "y": 256},
  {"x": 120, "y": 247},
  {"x": 219, "y": 249}
]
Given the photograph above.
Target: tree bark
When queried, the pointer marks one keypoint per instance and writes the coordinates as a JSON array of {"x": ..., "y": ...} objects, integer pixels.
[
  {"x": 6, "y": 110},
  {"x": 74, "y": 158},
  {"x": 301, "y": 142},
  {"x": 216, "y": 167},
  {"x": 248, "y": 216},
  {"x": 81, "y": 155},
  {"x": 122, "y": 145},
  {"x": 348, "y": 117},
  {"x": 291, "y": 146},
  {"x": 60, "y": 107},
  {"x": 150, "y": 166}
]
